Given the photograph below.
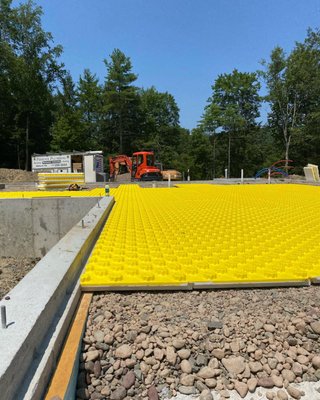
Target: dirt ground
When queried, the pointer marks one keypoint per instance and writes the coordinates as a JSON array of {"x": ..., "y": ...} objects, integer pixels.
[
  {"x": 17, "y": 175},
  {"x": 12, "y": 270}
]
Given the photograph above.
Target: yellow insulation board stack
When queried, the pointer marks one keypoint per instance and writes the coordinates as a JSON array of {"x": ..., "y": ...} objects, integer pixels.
[
  {"x": 311, "y": 173},
  {"x": 208, "y": 233},
  {"x": 59, "y": 180}
]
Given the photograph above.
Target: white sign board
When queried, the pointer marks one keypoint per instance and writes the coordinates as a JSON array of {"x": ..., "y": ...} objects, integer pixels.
[{"x": 49, "y": 162}]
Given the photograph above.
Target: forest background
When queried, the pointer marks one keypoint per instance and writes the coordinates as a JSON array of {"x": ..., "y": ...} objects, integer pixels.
[{"x": 42, "y": 109}]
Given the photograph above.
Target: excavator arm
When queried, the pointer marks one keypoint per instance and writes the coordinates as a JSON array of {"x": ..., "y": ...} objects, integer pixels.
[{"x": 116, "y": 162}]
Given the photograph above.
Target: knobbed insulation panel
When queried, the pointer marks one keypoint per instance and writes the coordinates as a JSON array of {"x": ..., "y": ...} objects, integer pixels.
[{"x": 208, "y": 234}]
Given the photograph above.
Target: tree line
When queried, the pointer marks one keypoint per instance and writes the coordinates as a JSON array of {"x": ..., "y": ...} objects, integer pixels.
[{"x": 43, "y": 109}]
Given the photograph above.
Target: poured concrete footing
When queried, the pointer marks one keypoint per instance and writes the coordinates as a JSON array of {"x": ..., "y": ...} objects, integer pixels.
[{"x": 40, "y": 307}]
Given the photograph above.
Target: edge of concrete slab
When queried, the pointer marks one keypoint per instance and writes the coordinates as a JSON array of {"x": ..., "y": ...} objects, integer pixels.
[{"x": 40, "y": 308}]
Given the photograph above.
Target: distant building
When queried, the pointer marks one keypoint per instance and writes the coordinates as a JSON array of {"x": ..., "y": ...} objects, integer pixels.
[{"x": 88, "y": 162}]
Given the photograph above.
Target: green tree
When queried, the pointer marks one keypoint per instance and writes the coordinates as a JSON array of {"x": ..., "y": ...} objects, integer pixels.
[
  {"x": 282, "y": 98},
  {"x": 30, "y": 72},
  {"x": 121, "y": 104},
  {"x": 9, "y": 150},
  {"x": 293, "y": 83},
  {"x": 69, "y": 130},
  {"x": 158, "y": 109},
  {"x": 160, "y": 130},
  {"x": 89, "y": 94},
  {"x": 232, "y": 111},
  {"x": 303, "y": 77},
  {"x": 183, "y": 160},
  {"x": 201, "y": 155}
]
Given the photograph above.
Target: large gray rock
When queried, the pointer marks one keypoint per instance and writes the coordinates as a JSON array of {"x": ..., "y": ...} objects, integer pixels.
[
  {"x": 92, "y": 355},
  {"x": 266, "y": 382},
  {"x": 187, "y": 380},
  {"x": 234, "y": 365},
  {"x": 124, "y": 351},
  {"x": 288, "y": 375},
  {"x": 187, "y": 390},
  {"x": 295, "y": 393},
  {"x": 255, "y": 366},
  {"x": 269, "y": 328},
  {"x": 316, "y": 362},
  {"x": 214, "y": 325},
  {"x": 152, "y": 393},
  {"x": 178, "y": 343},
  {"x": 206, "y": 372},
  {"x": 282, "y": 395},
  {"x": 277, "y": 380},
  {"x": 315, "y": 326},
  {"x": 252, "y": 384},
  {"x": 206, "y": 395},
  {"x": 118, "y": 394},
  {"x": 241, "y": 388},
  {"x": 184, "y": 354},
  {"x": 158, "y": 354},
  {"x": 218, "y": 353},
  {"x": 171, "y": 355},
  {"x": 97, "y": 369},
  {"x": 129, "y": 380},
  {"x": 98, "y": 335},
  {"x": 186, "y": 366}
]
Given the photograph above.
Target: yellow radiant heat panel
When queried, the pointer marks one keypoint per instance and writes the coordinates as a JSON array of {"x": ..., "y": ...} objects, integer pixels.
[{"x": 208, "y": 233}]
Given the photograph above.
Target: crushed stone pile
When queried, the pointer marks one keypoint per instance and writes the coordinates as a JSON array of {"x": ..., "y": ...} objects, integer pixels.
[
  {"x": 17, "y": 175},
  {"x": 160, "y": 345}
]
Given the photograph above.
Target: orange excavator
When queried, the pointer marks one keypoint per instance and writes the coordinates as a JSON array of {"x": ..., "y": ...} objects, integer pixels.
[{"x": 141, "y": 166}]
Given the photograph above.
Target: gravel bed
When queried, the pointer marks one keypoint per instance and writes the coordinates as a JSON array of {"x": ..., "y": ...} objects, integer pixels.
[
  {"x": 159, "y": 345},
  {"x": 12, "y": 270}
]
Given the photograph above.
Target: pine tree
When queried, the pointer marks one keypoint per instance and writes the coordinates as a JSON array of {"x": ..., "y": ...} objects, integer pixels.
[{"x": 121, "y": 104}]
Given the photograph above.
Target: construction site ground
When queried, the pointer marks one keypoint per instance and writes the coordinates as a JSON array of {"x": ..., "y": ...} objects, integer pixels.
[
  {"x": 12, "y": 270},
  {"x": 253, "y": 343}
]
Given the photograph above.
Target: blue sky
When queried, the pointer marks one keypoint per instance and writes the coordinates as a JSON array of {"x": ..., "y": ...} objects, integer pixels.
[{"x": 179, "y": 46}]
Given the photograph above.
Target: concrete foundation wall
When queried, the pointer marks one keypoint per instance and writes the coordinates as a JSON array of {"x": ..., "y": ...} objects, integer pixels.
[
  {"x": 31, "y": 227},
  {"x": 39, "y": 310}
]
